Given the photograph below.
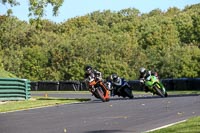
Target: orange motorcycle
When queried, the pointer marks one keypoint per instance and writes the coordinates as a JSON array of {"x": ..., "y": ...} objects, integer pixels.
[{"x": 98, "y": 89}]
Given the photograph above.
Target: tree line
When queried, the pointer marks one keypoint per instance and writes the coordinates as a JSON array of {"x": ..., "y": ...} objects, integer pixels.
[{"x": 113, "y": 42}]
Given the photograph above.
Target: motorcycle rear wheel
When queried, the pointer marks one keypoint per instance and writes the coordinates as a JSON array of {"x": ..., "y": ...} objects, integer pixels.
[
  {"x": 128, "y": 93},
  {"x": 166, "y": 94}
]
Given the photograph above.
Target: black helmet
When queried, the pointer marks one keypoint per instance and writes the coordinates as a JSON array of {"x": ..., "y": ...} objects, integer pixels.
[
  {"x": 142, "y": 70},
  {"x": 88, "y": 69},
  {"x": 114, "y": 77}
]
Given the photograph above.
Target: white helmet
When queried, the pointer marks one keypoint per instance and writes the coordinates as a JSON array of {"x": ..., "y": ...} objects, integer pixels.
[{"x": 142, "y": 70}]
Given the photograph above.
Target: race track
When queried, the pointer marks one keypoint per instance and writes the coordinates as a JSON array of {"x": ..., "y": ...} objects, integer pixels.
[{"x": 119, "y": 115}]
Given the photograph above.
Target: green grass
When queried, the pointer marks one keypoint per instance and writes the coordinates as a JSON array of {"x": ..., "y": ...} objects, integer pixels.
[
  {"x": 60, "y": 92},
  {"x": 192, "y": 125},
  {"x": 5, "y": 74},
  {"x": 35, "y": 102},
  {"x": 184, "y": 92}
]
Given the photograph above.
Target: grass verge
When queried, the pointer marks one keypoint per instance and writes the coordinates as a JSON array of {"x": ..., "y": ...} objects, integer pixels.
[
  {"x": 60, "y": 92},
  {"x": 192, "y": 125},
  {"x": 184, "y": 92},
  {"x": 35, "y": 102}
]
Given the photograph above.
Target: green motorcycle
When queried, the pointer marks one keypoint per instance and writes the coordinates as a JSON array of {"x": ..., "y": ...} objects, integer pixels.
[{"x": 155, "y": 86}]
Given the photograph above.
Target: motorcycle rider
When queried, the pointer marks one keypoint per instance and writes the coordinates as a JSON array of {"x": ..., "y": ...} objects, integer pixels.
[
  {"x": 120, "y": 87},
  {"x": 92, "y": 73},
  {"x": 115, "y": 81},
  {"x": 143, "y": 76},
  {"x": 109, "y": 82}
]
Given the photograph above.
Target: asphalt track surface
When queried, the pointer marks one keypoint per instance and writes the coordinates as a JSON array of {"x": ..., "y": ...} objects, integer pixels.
[{"x": 119, "y": 115}]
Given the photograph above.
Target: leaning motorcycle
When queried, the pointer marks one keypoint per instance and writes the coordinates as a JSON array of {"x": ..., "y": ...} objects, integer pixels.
[
  {"x": 122, "y": 88},
  {"x": 155, "y": 86},
  {"x": 98, "y": 88}
]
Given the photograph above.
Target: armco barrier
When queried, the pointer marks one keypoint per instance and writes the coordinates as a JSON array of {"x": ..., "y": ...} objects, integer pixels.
[
  {"x": 83, "y": 86},
  {"x": 182, "y": 84},
  {"x": 34, "y": 86},
  {"x": 194, "y": 84},
  {"x": 48, "y": 86},
  {"x": 135, "y": 84},
  {"x": 56, "y": 86},
  {"x": 14, "y": 89},
  {"x": 69, "y": 85},
  {"x": 170, "y": 84}
]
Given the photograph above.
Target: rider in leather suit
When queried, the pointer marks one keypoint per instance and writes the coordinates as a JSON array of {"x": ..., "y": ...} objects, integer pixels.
[
  {"x": 143, "y": 75},
  {"x": 90, "y": 72}
]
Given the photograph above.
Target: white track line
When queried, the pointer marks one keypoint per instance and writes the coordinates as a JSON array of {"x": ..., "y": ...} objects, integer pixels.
[{"x": 165, "y": 126}]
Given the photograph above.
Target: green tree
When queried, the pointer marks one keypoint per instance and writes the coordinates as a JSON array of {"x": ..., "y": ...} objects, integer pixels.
[
  {"x": 112, "y": 42},
  {"x": 184, "y": 25},
  {"x": 37, "y": 7}
]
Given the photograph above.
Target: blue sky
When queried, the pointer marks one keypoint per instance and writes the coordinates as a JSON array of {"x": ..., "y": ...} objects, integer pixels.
[{"x": 74, "y": 8}]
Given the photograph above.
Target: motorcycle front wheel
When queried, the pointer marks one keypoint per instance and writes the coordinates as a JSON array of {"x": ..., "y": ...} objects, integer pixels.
[{"x": 100, "y": 94}]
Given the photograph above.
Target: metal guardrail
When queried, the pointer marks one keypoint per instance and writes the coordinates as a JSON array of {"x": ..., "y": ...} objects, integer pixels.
[
  {"x": 178, "y": 84},
  {"x": 56, "y": 86},
  {"x": 170, "y": 84},
  {"x": 14, "y": 89}
]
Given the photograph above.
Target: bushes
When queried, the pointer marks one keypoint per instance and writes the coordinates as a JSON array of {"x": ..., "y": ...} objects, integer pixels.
[{"x": 113, "y": 42}]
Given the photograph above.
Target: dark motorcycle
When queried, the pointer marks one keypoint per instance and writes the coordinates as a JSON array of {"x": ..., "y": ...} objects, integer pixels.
[
  {"x": 98, "y": 89},
  {"x": 122, "y": 88}
]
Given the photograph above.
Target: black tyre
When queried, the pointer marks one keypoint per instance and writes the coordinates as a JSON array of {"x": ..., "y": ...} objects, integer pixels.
[
  {"x": 166, "y": 94},
  {"x": 129, "y": 93},
  {"x": 100, "y": 94},
  {"x": 96, "y": 95},
  {"x": 159, "y": 92}
]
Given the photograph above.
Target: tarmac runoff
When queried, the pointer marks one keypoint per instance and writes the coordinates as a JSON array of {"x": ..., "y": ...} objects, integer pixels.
[{"x": 165, "y": 126}]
